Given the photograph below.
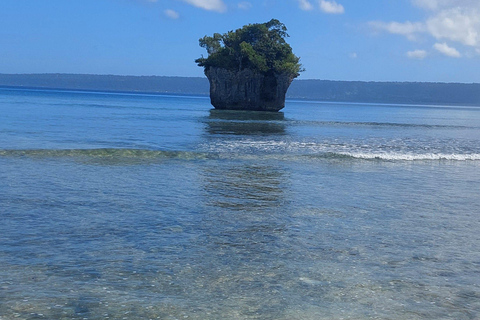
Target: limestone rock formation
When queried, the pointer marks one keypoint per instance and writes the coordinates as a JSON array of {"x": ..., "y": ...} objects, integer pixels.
[
  {"x": 247, "y": 89},
  {"x": 250, "y": 68}
]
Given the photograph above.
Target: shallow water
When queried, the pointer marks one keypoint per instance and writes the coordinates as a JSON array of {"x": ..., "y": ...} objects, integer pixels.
[{"x": 157, "y": 207}]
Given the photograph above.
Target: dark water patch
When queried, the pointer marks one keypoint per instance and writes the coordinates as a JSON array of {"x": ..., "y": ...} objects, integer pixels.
[{"x": 105, "y": 155}]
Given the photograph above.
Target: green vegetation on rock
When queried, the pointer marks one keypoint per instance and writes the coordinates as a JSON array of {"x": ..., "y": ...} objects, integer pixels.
[{"x": 259, "y": 47}]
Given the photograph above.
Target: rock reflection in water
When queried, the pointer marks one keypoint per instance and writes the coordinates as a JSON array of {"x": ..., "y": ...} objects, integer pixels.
[
  {"x": 244, "y": 238},
  {"x": 245, "y": 122},
  {"x": 244, "y": 188}
]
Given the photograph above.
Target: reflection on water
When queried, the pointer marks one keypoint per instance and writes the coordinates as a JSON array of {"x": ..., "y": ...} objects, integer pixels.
[
  {"x": 244, "y": 226},
  {"x": 244, "y": 187},
  {"x": 246, "y": 115},
  {"x": 243, "y": 231},
  {"x": 245, "y": 122}
]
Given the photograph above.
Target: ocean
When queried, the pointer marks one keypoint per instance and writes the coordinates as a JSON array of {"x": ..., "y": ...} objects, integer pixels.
[{"x": 131, "y": 206}]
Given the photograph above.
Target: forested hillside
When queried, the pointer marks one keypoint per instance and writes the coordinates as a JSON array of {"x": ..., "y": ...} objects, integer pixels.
[{"x": 323, "y": 90}]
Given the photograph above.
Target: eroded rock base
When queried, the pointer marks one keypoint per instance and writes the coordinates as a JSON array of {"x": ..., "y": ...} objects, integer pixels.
[{"x": 247, "y": 89}]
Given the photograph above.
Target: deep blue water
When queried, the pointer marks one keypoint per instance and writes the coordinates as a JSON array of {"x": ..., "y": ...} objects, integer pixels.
[{"x": 157, "y": 207}]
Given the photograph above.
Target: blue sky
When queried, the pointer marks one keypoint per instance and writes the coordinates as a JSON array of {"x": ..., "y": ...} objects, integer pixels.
[{"x": 369, "y": 40}]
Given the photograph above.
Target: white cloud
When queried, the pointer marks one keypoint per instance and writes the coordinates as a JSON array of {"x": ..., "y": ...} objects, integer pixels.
[
  {"x": 331, "y": 7},
  {"x": 211, "y": 5},
  {"x": 305, "y": 5},
  {"x": 442, "y": 4},
  {"x": 453, "y": 21},
  {"x": 417, "y": 54},
  {"x": 456, "y": 24},
  {"x": 172, "y": 14},
  {"x": 244, "y": 5},
  {"x": 446, "y": 50},
  {"x": 353, "y": 55},
  {"x": 408, "y": 29}
]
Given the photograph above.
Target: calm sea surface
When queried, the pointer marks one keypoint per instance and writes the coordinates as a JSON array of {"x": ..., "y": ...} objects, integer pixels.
[{"x": 117, "y": 206}]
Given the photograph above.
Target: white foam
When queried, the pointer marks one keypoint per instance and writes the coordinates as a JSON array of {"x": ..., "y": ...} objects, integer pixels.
[
  {"x": 363, "y": 151},
  {"x": 412, "y": 157}
]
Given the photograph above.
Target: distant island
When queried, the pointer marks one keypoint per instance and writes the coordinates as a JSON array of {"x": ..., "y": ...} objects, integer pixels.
[
  {"x": 250, "y": 68},
  {"x": 318, "y": 90}
]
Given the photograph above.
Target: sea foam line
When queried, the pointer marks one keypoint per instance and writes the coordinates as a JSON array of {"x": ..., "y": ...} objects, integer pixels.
[{"x": 411, "y": 157}]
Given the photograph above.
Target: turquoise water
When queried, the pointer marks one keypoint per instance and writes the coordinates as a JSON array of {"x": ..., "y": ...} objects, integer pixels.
[{"x": 117, "y": 206}]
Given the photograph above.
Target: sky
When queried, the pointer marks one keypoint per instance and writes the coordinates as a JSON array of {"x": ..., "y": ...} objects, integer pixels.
[{"x": 352, "y": 40}]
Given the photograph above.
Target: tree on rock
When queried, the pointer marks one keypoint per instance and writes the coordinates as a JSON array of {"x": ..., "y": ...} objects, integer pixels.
[{"x": 250, "y": 68}]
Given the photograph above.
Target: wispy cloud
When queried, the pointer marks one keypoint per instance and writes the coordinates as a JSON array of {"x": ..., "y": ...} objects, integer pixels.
[
  {"x": 305, "y": 5},
  {"x": 408, "y": 29},
  {"x": 245, "y": 5},
  {"x": 172, "y": 14},
  {"x": 426, "y": 4},
  {"x": 456, "y": 21},
  {"x": 417, "y": 54},
  {"x": 331, "y": 7},
  {"x": 435, "y": 5},
  {"x": 210, "y": 5},
  {"x": 446, "y": 50}
]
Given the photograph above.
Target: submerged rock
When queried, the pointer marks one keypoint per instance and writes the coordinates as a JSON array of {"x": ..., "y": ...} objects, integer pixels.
[{"x": 247, "y": 89}]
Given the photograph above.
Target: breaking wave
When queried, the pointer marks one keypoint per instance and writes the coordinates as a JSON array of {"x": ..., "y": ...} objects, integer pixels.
[
  {"x": 143, "y": 155},
  {"x": 404, "y": 156}
]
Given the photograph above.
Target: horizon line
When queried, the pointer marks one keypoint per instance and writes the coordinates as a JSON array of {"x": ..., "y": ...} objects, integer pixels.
[{"x": 197, "y": 77}]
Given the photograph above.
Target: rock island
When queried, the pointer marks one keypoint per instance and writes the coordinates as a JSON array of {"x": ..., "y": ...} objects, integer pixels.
[{"x": 250, "y": 68}]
